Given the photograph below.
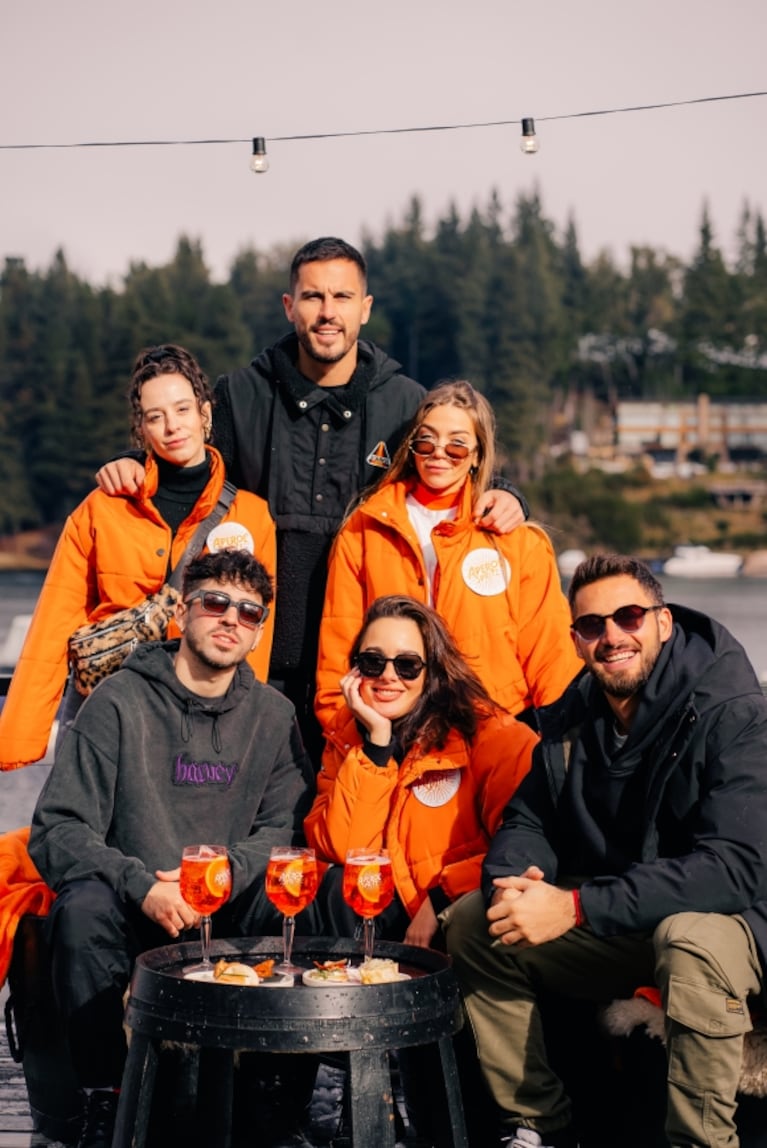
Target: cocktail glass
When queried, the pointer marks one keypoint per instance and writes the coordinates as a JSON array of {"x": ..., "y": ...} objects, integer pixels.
[
  {"x": 291, "y": 885},
  {"x": 368, "y": 888},
  {"x": 206, "y": 883}
]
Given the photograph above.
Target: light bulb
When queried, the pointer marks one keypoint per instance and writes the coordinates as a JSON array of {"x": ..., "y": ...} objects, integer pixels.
[
  {"x": 529, "y": 143},
  {"x": 259, "y": 162}
]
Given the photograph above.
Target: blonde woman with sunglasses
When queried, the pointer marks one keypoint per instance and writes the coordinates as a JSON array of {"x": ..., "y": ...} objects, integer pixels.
[{"x": 500, "y": 595}]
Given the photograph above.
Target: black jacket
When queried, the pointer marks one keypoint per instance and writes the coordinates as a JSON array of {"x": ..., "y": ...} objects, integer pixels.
[
  {"x": 697, "y": 751},
  {"x": 274, "y": 428},
  {"x": 256, "y": 407}
]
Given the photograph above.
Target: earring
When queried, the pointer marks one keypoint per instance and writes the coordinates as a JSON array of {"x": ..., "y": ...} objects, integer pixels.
[{"x": 206, "y": 430}]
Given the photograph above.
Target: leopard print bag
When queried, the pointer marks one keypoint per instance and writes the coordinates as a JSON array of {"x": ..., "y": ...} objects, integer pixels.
[{"x": 99, "y": 648}]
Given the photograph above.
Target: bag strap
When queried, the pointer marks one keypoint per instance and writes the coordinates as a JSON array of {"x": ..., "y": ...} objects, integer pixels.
[{"x": 197, "y": 541}]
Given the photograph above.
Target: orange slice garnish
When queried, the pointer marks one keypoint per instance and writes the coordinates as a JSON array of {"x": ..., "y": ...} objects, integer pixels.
[
  {"x": 292, "y": 877},
  {"x": 218, "y": 876},
  {"x": 369, "y": 882}
]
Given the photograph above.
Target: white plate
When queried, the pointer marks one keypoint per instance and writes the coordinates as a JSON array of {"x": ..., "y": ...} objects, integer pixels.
[
  {"x": 315, "y": 979},
  {"x": 276, "y": 982}
]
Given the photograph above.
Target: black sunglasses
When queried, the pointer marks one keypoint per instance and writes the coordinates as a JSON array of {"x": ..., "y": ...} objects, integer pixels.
[
  {"x": 427, "y": 446},
  {"x": 216, "y": 603},
  {"x": 628, "y": 618},
  {"x": 406, "y": 666}
]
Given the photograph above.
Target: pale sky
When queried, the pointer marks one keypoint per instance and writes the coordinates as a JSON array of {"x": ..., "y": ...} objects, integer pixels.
[{"x": 85, "y": 70}]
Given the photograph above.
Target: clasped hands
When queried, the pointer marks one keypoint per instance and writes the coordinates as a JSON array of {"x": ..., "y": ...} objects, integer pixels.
[
  {"x": 165, "y": 906},
  {"x": 528, "y": 910}
]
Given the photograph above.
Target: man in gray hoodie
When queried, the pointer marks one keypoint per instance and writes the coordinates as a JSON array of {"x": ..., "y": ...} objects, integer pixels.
[{"x": 181, "y": 746}]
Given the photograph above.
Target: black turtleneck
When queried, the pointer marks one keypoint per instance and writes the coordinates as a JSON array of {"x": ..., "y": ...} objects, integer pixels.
[{"x": 178, "y": 489}]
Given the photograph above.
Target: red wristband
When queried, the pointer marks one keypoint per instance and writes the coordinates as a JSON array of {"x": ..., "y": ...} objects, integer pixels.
[{"x": 579, "y": 917}]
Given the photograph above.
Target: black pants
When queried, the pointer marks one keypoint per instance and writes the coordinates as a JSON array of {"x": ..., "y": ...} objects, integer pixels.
[{"x": 95, "y": 938}]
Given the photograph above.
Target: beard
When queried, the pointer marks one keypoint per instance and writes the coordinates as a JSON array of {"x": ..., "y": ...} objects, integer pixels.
[
  {"x": 622, "y": 685},
  {"x": 214, "y": 659},
  {"x": 319, "y": 354}
]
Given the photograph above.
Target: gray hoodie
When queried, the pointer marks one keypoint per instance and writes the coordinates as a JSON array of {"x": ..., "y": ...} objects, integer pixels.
[{"x": 149, "y": 767}]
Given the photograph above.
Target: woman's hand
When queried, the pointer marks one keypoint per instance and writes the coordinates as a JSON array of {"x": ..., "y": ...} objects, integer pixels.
[
  {"x": 424, "y": 925},
  {"x": 378, "y": 727}
]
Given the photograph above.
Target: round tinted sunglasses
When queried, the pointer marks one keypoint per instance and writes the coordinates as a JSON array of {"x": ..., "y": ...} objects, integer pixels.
[
  {"x": 216, "y": 603},
  {"x": 427, "y": 446},
  {"x": 406, "y": 666},
  {"x": 627, "y": 618}
]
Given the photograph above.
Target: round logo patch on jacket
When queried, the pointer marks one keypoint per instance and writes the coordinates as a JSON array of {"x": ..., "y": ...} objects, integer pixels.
[
  {"x": 486, "y": 572},
  {"x": 230, "y": 536},
  {"x": 437, "y": 787}
]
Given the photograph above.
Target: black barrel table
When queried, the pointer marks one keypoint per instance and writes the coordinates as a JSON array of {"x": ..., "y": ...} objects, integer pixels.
[{"x": 364, "y": 1021}]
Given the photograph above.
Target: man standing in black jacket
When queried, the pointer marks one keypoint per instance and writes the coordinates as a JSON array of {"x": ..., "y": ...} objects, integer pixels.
[
  {"x": 632, "y": 854},
  {"x": 307, "y": 425}
]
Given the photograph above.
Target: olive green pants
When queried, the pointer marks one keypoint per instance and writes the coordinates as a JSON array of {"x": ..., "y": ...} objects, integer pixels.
[{"x": 705, "y": 965}]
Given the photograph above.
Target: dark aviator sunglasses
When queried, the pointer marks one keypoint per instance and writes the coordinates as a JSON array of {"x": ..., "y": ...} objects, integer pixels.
[
  {"x": 406, "y": 666},
  {"x": 627, "y": 618},
  {"x": 216, "y": 603},
  {"x": 426, "y": 446}
]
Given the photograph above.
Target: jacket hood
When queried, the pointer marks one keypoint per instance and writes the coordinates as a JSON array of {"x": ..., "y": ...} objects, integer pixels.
[
  {"x": 385, "y": 366},
  {"x": 153, "y": 661}
]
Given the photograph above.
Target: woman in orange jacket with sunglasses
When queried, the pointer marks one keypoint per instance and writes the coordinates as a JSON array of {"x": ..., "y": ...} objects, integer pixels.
[
  {"x": 420, "y": 761},
  {"x": 500, "y": 595}
]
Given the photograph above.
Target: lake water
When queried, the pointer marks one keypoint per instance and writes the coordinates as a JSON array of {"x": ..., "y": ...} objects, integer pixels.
[{"x": 740, "y": 604}]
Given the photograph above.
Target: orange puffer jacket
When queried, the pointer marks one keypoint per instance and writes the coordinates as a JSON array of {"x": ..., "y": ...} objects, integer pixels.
[
  {"x": 435, "y": 813},
  {"x": 112, "y": 553},
  {"x": 511, "y": 622}
]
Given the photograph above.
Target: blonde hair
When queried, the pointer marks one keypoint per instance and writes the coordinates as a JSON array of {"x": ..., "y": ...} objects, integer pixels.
[{"x": 460, "y": 394}]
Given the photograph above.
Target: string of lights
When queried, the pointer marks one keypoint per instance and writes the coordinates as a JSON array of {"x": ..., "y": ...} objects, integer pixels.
[{"x": 259, "y": 162}]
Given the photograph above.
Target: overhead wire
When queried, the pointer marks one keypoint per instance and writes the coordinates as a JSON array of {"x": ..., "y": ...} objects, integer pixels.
[{"x": 388, "y": 131}]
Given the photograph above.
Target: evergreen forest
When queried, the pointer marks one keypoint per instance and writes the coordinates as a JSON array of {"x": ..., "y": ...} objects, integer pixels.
[{"x": 501, "y": 298}]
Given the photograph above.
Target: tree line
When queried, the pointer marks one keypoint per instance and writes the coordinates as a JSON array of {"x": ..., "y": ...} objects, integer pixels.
[{"x": 499, "y": 297}]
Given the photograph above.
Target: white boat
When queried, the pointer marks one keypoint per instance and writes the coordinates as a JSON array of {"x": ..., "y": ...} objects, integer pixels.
[{"x": 702, "y": 562}]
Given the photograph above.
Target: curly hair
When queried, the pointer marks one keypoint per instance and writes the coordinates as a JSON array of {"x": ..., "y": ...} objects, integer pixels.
[
  {"x": 166, "y": 359},
  {"x": 235, "y": 566},
  {"x": 453, "y": 696}
]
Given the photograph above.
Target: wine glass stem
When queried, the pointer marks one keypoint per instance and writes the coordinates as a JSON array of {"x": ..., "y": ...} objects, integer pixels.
[
  {"x": 369, "y": 935},
  {"x": 288, "y": 932},
  {"x": 205, "y": 923}
]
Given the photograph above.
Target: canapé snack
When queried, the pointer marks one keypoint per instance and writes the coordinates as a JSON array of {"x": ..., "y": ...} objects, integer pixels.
[
  {"x": 380, "y": 971},
  {"x": 238, "y": 973}
]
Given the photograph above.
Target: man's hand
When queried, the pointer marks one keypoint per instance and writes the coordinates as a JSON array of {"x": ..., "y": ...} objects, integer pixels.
[
  {"x": 122, "y": 476},
  {"x": 527, "y": 909},
  {"x": 424, "y": 925},
  {"x": 165, "y": 906},
  {"x": 496, "y": 510}
]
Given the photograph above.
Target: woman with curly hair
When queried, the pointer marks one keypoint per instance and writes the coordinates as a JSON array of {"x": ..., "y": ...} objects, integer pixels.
[{"x": 114, "y": 552}]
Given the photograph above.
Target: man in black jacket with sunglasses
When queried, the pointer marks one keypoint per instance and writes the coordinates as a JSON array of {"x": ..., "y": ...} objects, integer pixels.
[{"x": 633, "y": 854}]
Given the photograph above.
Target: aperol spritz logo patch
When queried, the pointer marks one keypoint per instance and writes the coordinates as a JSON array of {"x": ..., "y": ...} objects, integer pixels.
[
  {"x": 204, "y": 772},
  {"x": 379, "y": 456}
]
